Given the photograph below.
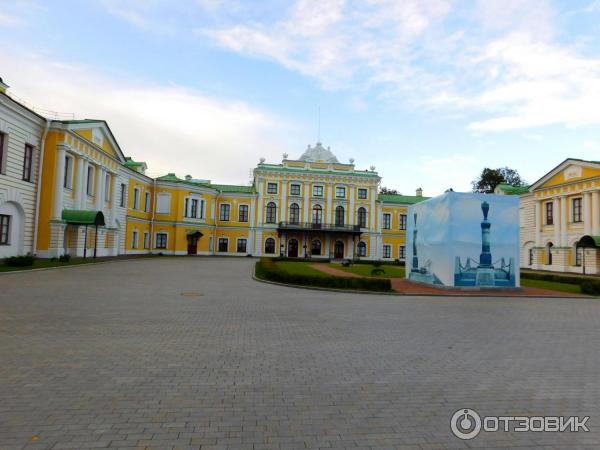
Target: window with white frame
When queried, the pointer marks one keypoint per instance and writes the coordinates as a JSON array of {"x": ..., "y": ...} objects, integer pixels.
[
  {"x": 147, "y": 202},
  {"x": 107, "y": 188},
  {"x": 28, "y": 162},
  {"x": 362, "y": 194},
  {"x": 243, "y": 213},
  {"x": 387, "y": 251},
  {"x": 3, "y": 145},
  {"x": 340, "y": 192},
  {"x": 225, "y": 212},
  {"x": 402, "y": 222},
  {"x": 123, "y": 194},
  {"x": 271, "y": 213},
  {"x": 271, "y": 188},
  {"x": 161, "y": 240},
  {"x": 163, "y": 203},
  {"x": 241, "y": 245},
  {"x": 270, "y": 246},
  {"x": 294, "y": 189},
  {"x": 4, "y": 229},
  {"x": 194, "y": 208},
  {"x": 317, "y": 191},
  {"x": 402, "y": 252},
  {"x": 134, "y": 239},
  {"x": 146, "y": 239},
  {"x": 361, "y": 248},
  {"x": 223, "y": 245},
  {"x": 68, "y": 181},
  {"x": 89, "y": 189},
  {"x": 387, "y": 221}
]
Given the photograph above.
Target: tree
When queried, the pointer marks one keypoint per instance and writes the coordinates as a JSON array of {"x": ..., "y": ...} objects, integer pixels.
[
  {"x": 385, "y": 190},
  {"x": 490, "y": 178}
]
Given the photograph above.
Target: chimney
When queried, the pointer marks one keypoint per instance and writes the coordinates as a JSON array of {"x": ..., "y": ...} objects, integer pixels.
[
  {"x": 3, "y": 86},
  {"x": 419, "y": 192}
]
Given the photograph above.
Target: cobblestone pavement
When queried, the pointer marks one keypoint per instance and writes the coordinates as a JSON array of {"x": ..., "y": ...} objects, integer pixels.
[{"x": 115, "y": 356}]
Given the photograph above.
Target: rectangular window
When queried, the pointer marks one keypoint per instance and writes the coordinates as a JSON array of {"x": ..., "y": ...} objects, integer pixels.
[
  {"x": 387, "y": 251},
  {"x": 194, "y": 208},
  {"x": 340, "y": 192},
  {"x": 134, "y": 239},
  {"x": 4, "y": 229},
  {"x": 243, "y": 213},
  {"x": 403, "y": 221},
  {"x": 202, "y": 209},
  {"x": 147, "y": 202},
  {"x": 123, "y": 191},
  {"x": 294, "y": 189},
  {"x": 402, "y": 252},
  {"x": 223, "y": 244},
  {"x": 362, "y": 194},
  {"x": 161, "y": 240},
  {"x": 387, "y": 221},
  {"x": 549, "y": 213},
  {"x": 241, "y": 245},
  {"x": 89, "y": 189},
  {"x": 576, "y": 205},
  {"x": 2, "y": 151},
  {"x": 146, "y": 240},
  {"x": 107, "y": 188},
  {"x": 68, "y": 172},
  {"x": 186, "y": 208},
  {"x": 271, "y": 188},
  {"x": 224, "y": 212},
  {"x": 530, "y": 256},
  {"x": 317, "y": 191},
  {"x": 578, "y": 256},
  {"x": 136, "y": 198},
  {"x": 27, "y": 162}
]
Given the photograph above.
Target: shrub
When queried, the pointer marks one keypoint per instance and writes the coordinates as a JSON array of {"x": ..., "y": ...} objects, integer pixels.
[
  {"x": 376, "y": 263},
  {"x": 557, "y": 278},
  {"x": 64, "y": 258},
  {"x": 267, "y": 269},
  {"x": 590, "y": 287},
  {"x": 20, "y": 261},
  {"x": 377, "y": 271}
]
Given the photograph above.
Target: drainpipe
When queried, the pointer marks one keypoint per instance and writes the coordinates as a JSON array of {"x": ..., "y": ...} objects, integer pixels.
[
  {"x": 39, "y": 186},
  {"x": 153, "y": 216}
]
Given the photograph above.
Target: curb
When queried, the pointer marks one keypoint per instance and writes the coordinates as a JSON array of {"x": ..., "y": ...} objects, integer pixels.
[{"x": 68, "y": 266}]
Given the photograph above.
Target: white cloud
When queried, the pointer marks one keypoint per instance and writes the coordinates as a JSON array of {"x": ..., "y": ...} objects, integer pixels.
[
  {"x": 172, "y": 128},
  {"x": 9, "y": 21}
]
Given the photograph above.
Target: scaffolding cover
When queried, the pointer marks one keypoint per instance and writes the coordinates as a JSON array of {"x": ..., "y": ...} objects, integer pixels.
[{"x": 464, "y": 240}]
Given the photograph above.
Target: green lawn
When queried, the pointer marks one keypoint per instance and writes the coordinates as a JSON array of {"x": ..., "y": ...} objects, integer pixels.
[
  {"x": 44, "y": 263},
  {"x": 364, "y": 270},
  {"x": 551, "y": 285},
  {"x": 301, "y": 268}
]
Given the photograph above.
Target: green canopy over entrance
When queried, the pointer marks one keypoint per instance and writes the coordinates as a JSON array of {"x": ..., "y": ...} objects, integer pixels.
[
  {"x": 589, "y": 241},
  {"x": 83, "y": 217}
]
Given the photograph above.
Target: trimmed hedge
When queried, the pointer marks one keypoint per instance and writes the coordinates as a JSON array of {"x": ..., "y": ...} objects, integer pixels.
[
  {"x": 588, "y": 286},
  {"x": 20, "y": 261},
  {"x": 267, "y": 269}
]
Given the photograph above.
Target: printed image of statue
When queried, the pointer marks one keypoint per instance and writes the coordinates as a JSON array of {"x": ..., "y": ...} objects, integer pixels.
[
  {"x": 421, "y": 274},
  {"x": 485, "y": 273}
]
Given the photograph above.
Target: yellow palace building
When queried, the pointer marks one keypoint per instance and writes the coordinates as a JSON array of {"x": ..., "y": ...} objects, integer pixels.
[{"x": 82, "y": 196}]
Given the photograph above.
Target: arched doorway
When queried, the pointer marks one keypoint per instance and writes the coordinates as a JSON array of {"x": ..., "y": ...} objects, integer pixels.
[
  {"x": 192, "y": 241},
  {"x": 293, "y": 248},
  {"x": 338, "y": 250}
]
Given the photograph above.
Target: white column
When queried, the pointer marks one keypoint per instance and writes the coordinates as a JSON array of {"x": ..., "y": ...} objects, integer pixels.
[
  {"x": 259, "y": 202},
  {"x": 84, "y": 183},
  {"x": 563, "y": 221},
  {"x": 556, "y": 220},
  {"x": 351, "y": 213},
  {"x": 373, "y": 194},
  {"x": 252, "y": 232},
  {"x": 58, "y": 182},
  {"x": 79, "y": 186},
  {"x": 587, "y": 213},
  {"x": 113, "y": 199},
  {"x": 99, "y": 174},
  {"x": 328, "y": 216},
  {"x": 283, "y": 208},
  {"x": 306, "y": 200},
  {"x": 538, "y": 221},
  {"x": 595, "y": 214}
]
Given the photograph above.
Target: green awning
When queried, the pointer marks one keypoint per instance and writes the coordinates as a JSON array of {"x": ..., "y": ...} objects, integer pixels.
[
  {"x": 589, "y": 241},
  {"x": 83, "y": 217}
]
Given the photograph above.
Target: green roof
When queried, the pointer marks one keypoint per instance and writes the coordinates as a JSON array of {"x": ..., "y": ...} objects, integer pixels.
[
  {"x": 83, "y": 217},
  {"x": 172, "y": 178},
  {"x": 280, "y": 168},
  {"x": 513, "y": 190},
  {"x": 400, "y": 199},
  {"x": 131, "y": 163}
]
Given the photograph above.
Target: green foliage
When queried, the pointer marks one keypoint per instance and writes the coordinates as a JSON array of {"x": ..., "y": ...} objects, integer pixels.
[
  {"x": 590, "y": 287},
  {"x": 20, "y": 261},
  {"x": 377, "y": 271},
  {"x": 490, "y": 178},
  {"x": 386, "y": 190},
  {"x": 64, "y": 258},
  {"x": 557, "y": 278},
  {"x": 376, "y": 263},
  {"x": 267, "y": 269}
]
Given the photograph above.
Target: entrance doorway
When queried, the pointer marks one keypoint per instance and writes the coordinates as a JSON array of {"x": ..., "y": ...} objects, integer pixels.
[
  {"x": 192, "y": 241},
  {"x": 293, "y": 248},
  {"x": 338, "y": 250}
]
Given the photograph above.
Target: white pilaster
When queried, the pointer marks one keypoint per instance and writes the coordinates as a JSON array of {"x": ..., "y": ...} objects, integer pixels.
[
  {"x": 259, "y": 202},
  {"x": 351, "y": 212},
  {"x": 113, "y": 198},
  {"x": 563, "y": 221},
  {"x": 328, "y": 218},
  {"x": 538, "y": 220},
  {"x": 306, "y": 200},
  {"x": 556, "y": 220},
  {"x": 587, "y": 213},
  {"x": 595, "y": 214},
  {"x": 99, "y": 191},
  {"x": 284, "y": 205},
  {"x": 79, "y": 185},
  {"x": 58, "y": 182}
]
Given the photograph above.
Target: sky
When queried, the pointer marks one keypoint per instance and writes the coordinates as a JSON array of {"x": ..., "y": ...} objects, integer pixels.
[{"x": 428, "y": 91}]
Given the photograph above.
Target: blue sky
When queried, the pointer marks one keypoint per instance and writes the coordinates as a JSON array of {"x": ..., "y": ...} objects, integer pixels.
[{"x": 427, "y": 91}]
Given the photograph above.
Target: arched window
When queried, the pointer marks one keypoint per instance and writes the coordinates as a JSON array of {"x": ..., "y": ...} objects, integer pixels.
[
  {"x": 339, "y": 216},
  {"x": 294, "y": 213},
  {"x": 362, "y": 217},
  {"x": 361, "y": 249},
  {"x": 270, "y": 246},
  {"x": 549, "y": 248},
  {"x": 317, "y": 215},
  {"x": 271, "y": 213},
  {"x": 316, "y": 247}
]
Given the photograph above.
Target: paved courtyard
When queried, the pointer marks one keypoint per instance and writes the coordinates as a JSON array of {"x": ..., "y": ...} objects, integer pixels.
[{"x": 192, "y": 353}]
